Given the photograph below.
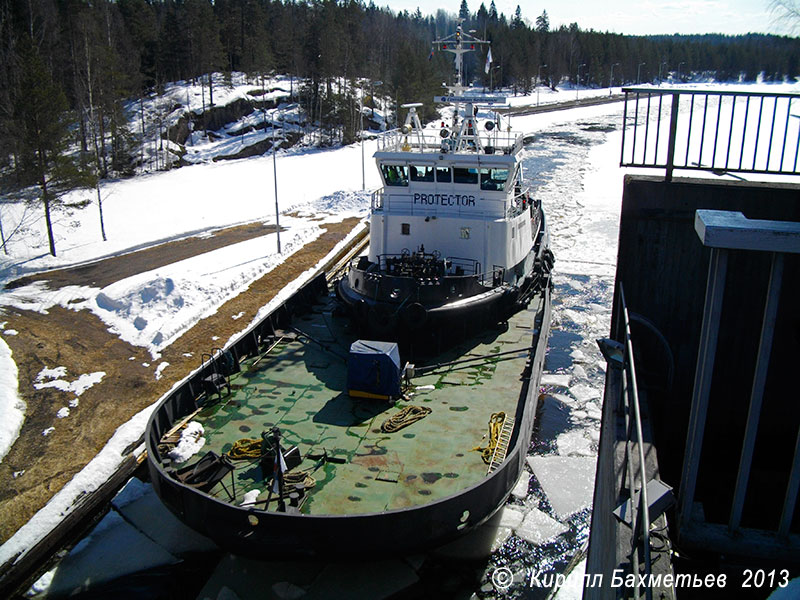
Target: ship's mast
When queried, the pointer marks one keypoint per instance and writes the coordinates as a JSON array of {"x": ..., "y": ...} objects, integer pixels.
[
  {"x": 459, "y": 43},
  {"x": 465, "y": 133}
]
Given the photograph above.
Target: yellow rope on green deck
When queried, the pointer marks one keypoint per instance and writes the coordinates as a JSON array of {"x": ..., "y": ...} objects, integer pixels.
[
  {"x": 407, "y": 416},
  {"x": 495, "y": 427},
  {"x": 250, "y": 448},
  {"x": 245, "y": 448}
]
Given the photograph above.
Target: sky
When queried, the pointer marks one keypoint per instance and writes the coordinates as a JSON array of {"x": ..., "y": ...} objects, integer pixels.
[{"x": 635, "y": 17}]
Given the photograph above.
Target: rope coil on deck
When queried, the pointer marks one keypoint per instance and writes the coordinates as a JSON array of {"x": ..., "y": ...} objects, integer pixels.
[
  {"x": 245, "y": 448},
  {"x": 407, "y": 416},
  {"x": 495, "y": 427}
]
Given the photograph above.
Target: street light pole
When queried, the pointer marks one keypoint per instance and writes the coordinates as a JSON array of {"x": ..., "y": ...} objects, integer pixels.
[
  {"x": 660, "y": 76},
  {"x": 538, "y": 82},
  {"x": 611, "y": 79},
  {"x": 275, "y": 177},
  {"x": 639, "y": 72},
  {"x": 361, "y": 135},
  {"x": 680, "y": 64},
  {"x": 578, "y": 79}
]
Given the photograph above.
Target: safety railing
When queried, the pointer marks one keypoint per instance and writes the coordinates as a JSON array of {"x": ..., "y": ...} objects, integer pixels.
[
  {"x": 432, "y": 140},
  {"x": 707, "y": 130},
  {"x": 628, "y": 405}
]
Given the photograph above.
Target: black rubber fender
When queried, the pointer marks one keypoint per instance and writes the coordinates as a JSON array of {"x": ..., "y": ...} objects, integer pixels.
[{"x": 414, "y": 316}]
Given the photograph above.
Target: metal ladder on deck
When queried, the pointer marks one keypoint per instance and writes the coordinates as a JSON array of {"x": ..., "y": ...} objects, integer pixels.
[{"x": 503, "y": 442}]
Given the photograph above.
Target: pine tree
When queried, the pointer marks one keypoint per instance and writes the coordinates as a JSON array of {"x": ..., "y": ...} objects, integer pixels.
[
  {"x": 543, "y": 22},
  {"x": 463, "y": 12},
  {"x": 517, "y": 22},
  {"x": 492, "y": 13},
  {"x": 41, "y": 109}
]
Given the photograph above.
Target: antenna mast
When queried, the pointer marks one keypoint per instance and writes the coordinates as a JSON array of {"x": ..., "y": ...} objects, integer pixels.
[{"x": 459, "y": 43}]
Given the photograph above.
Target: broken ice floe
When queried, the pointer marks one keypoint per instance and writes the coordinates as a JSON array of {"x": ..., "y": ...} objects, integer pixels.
[
  {"x": 556, "y": 379},
  {"x": 538, "y": 528},
  {"x": 568, "y": 482},
  {"x": 520, "y": 490},
  {"x": 584, "y": 392},
  {"x": 574, "y": 443}
]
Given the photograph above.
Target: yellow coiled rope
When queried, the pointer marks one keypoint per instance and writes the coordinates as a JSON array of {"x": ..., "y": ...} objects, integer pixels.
[
  {"x": 245, "y": 448},
  {"x": 249, "y": 448},
  {"x": 404, "y": 418},
  {"x": 495, "y": 427}
]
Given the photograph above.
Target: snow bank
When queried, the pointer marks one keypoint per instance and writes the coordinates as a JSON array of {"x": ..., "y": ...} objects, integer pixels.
[
  {"x": 94, "y": 475},
  {"x": 12, "y": 407}
]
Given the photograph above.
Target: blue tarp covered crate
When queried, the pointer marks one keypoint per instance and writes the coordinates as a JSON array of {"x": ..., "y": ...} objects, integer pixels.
[{"x": 373, "y": 370}]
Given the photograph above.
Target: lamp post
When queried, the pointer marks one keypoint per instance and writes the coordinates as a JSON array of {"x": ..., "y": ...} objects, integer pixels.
[
  {"x": 611, "y": 79},
  {"x": 275, "y": 177},
  {"x": 361, "y": 135},
  {"x": 538, "y": 81},
  {"x": 578, "y": 79},
  {"x": 660, "y": 76},
  {"x": 639, "y": 72},
  {"x": 680, "y": 64},
  {"x": 491, "y": 76}
]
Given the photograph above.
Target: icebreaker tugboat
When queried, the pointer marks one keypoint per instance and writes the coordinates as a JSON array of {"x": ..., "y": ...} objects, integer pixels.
[
  {"x": 323, "y": 442},
  {"x": 454, "y": 233}
]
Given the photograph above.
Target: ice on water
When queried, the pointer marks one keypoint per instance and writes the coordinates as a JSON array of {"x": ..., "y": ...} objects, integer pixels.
[{"x": 568, "y": 482}]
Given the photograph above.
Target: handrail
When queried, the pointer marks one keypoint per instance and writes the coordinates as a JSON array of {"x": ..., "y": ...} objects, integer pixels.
[
  {"x": 753, "y": 132},
  {"x": 629, "y": 404},
  {"x": 495, "y": 142}
]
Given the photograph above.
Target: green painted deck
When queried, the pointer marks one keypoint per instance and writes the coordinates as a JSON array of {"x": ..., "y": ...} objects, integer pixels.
[{"x": 300, "y": 388}]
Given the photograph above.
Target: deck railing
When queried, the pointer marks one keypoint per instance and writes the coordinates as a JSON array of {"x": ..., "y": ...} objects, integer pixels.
[
  {"x": 619, "y": 354},
  {"x": 431, "y": 140},
  {"x": 704, "y": 130}
]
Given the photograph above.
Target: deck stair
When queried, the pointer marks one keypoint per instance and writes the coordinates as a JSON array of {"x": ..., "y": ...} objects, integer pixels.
[{"x": 503, "y": 442}]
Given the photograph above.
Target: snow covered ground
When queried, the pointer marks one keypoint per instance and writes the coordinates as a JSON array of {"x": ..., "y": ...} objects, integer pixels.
[{"x": 574, "y": 165}]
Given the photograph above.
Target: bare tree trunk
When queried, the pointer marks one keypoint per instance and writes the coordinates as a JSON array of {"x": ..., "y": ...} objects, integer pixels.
[
  {"x": 93, "y": 127},
  {"x": 3, "y": 237},
  {"x": 46, "y": 201}
]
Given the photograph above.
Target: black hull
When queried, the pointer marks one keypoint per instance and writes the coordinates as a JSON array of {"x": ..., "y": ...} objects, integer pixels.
[
  {"x": 428, "y": 305},
  {"x": 262, "y": 534}
]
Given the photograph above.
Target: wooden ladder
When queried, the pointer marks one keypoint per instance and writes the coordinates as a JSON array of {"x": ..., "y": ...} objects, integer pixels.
[{"x": 501, "y": 448}]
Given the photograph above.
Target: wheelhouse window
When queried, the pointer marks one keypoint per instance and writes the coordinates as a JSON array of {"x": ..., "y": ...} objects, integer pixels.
[
  {"x": 405, "y": 228},
  {"x": 421, "y": 173},
  {"x": 494, "y": 179},
  {"x": 395, "y": 174},
  {"x": 443, "y": 175},
  {"x": 465, "y": 175}
]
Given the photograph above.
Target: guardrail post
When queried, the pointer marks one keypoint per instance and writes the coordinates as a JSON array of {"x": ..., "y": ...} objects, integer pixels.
[
  {"x": 757, "y": 394},
  {"x": 712, "y": 310},
  {"x": 673, "y": 128}
]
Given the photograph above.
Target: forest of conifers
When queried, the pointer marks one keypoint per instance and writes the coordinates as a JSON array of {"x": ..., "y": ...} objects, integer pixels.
[{"x": 67, "y": 65}]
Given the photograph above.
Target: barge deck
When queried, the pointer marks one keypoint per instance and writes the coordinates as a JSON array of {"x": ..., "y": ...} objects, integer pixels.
[{"x": 351, "y": 465}]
